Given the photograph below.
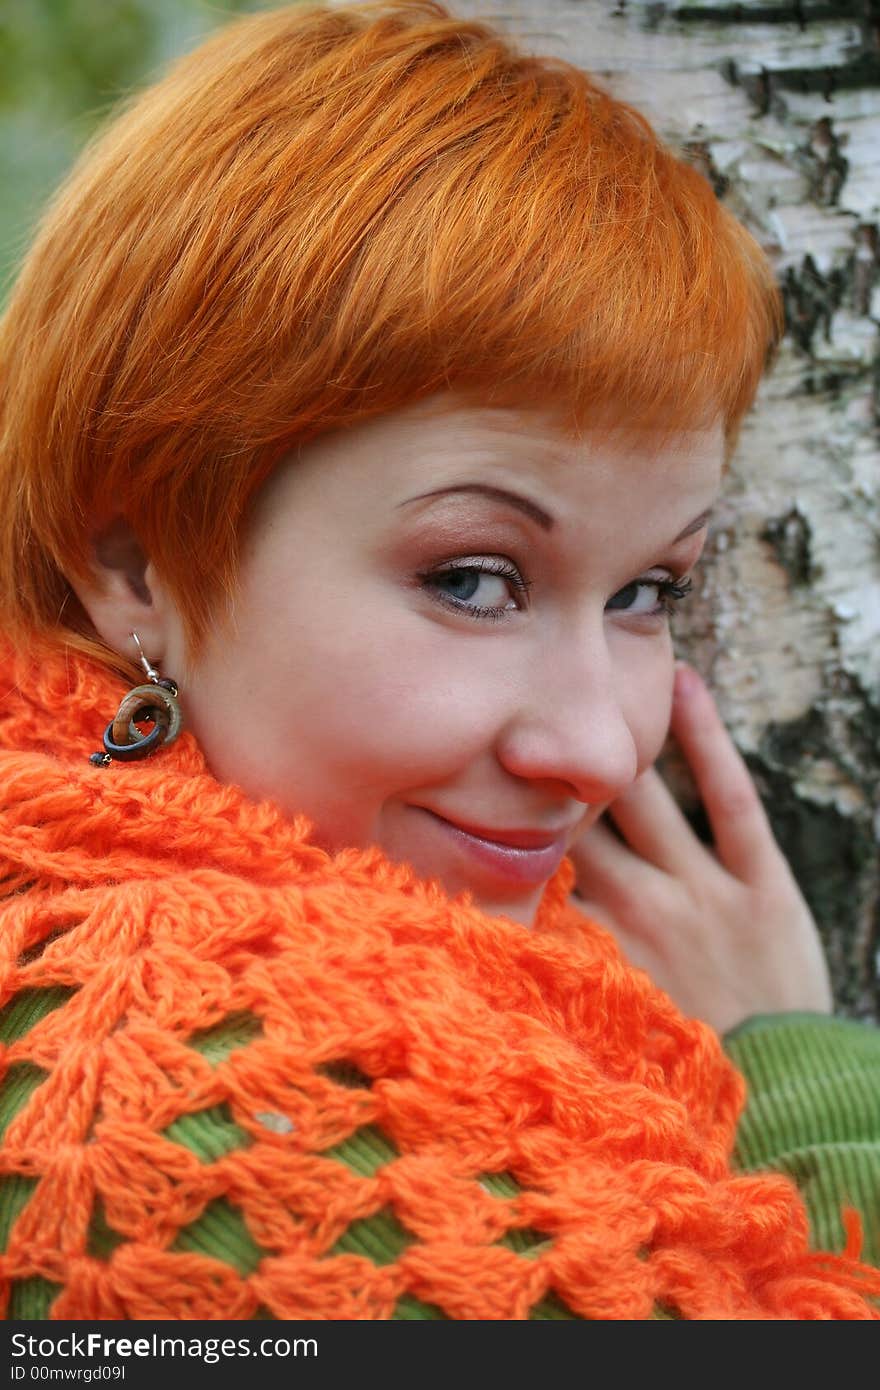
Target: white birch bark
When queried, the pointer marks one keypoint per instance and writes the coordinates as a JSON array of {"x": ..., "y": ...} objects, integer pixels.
[{"x": 778, "y": 102}]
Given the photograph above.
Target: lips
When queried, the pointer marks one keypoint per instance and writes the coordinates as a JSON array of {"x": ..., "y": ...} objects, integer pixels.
[
  {"x": 515, "y": 839},
  {"x": 524, "y": 858}
]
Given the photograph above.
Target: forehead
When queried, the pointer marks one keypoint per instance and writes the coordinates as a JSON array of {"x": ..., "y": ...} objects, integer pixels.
[
  {"x": 537, "y": 438},
  {"x": 441, "y": 443}
]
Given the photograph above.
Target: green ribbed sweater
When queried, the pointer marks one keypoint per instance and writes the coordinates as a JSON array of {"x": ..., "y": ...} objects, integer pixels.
[{"x": 813, "y": 1112}]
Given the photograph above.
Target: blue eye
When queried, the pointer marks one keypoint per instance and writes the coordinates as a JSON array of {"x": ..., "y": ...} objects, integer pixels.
[
  {"x": 669, "y": 591},
  {"x": 498, "y": 583},
  {"x": 463, "y": 584}
]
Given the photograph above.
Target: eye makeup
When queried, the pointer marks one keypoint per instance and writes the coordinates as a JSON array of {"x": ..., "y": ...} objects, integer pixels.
[{"x": 470, "y": 569}]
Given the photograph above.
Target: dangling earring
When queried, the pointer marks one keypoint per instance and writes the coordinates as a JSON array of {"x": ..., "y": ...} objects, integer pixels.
[{"x": 157, "y": 702}]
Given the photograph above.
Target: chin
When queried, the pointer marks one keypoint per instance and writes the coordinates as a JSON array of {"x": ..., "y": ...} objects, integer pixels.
[{"x": 522, "y": 911}]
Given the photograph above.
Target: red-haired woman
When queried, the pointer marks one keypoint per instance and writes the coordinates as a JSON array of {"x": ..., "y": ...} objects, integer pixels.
[{"x": 365, "y": 396}]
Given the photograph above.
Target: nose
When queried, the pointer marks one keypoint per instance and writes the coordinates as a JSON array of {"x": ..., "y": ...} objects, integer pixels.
[{"x": 570, "y": 723}]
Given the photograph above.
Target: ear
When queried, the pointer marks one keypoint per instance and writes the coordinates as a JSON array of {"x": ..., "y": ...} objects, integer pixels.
[{"x": 124, "y": 594}]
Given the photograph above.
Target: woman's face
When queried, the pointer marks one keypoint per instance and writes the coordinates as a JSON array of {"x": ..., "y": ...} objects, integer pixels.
[{"x": 453, "y": 621}]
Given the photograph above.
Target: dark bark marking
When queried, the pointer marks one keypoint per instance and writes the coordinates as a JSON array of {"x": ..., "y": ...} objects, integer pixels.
[
  {"x": 837, "y": 854},
  {"x": 862, "y": 266},
  {"x": 799, "y": 12},
  {"x": 791, "y": 537},
  {"x": 698, "y": 153},
  {"x": 822, "y": 160},
  {"x": 810, "y": 299}
]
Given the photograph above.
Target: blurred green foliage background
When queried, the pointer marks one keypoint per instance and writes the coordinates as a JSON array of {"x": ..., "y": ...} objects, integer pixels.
[{"x": 64, "y": 65}]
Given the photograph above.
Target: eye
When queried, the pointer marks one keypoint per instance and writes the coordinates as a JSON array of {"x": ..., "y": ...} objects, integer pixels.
[
  {"x": 666, "y": 593},
  {"x": 481, "y": 587}
]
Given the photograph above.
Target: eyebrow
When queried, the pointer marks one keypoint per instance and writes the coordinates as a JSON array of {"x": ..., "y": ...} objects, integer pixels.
[
  {"x": 497, "y": 494},
  {"x": 531, "y": 509},
  {"x": 696, "y": 525}
]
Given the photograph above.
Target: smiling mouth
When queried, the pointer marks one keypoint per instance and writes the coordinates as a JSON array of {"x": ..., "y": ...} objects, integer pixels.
[
  {"x": 507, "y": 839},
  {"x": 518, "y": 867}
]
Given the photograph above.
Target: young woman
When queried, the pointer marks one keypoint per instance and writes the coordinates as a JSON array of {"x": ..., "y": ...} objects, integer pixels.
[{"x": 365, "y": 397}]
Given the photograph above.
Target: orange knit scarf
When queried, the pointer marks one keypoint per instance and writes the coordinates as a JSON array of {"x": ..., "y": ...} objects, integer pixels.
[{"x": 243, "y": 1078}]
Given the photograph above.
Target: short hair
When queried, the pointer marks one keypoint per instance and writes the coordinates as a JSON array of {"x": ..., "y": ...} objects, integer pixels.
[{"x": 318, "y": 216}]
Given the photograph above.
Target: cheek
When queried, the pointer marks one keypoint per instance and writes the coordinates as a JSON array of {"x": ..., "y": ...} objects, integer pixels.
[
  {"x": 647, "y": 703},
  {"x": 413, "y": 708},
  {"x": 371, "y": 693},
  {"x": 334, "y": 728},
  {"x": 651, "y": 733}
]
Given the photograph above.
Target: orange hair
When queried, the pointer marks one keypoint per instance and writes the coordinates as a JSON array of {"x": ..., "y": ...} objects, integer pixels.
[{"x": 321, "y": 215}]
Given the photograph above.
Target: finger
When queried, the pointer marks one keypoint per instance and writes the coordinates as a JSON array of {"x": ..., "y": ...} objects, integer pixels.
[
  {"x": 738, "y": 821},
  {"x": 608, "y": 873},
  {"x": 653, "y": 824},
  {"x": 597, "y": 912}
]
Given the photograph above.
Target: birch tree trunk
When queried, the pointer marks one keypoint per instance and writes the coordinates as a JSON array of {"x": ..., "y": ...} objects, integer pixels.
[{"x": 778, "y": 103}]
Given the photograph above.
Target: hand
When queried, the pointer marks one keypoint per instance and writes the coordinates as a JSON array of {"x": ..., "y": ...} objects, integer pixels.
[{"x": 725, "y": 932}]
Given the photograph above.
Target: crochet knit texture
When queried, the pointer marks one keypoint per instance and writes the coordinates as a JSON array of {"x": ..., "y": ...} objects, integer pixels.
[{"x": 242, "y": 1078}]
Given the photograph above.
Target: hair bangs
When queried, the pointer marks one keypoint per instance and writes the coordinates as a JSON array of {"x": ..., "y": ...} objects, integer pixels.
[{"x": 319, "y": 216}]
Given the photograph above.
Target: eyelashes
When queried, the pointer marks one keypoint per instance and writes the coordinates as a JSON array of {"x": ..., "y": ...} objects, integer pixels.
[
  {"x": 466, "y": 576},
  {"x": 672, "y": 590},
  {"x": 462, "y": 575}
]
